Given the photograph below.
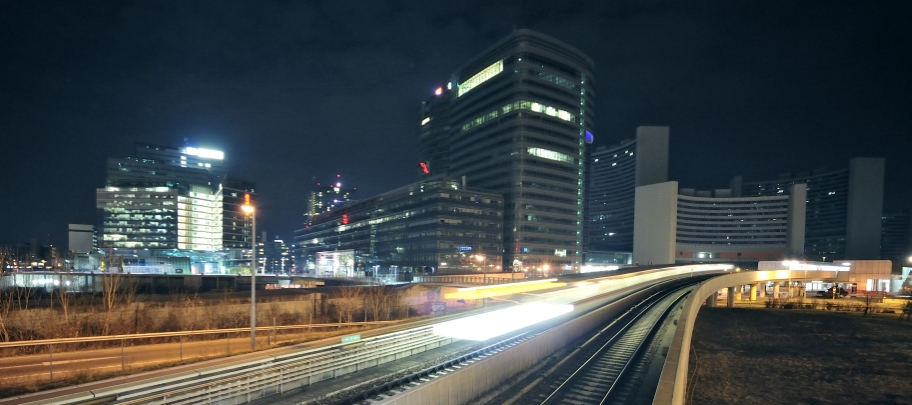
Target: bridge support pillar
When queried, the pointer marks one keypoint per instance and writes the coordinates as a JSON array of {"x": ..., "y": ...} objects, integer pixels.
[
  {"x": 711, "y": 300},
  {"x": 753, "y": 292},
  {"x": 731, "y": 297},
  {"x": 776, "y": 289},
  {"x": 761, "y": 290}
]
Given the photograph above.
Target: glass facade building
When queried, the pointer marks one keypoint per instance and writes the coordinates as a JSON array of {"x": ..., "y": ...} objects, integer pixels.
[
  {"x": 896, "y": 238},
  {"x": 514, "y": 120},
  {"x": 612, "y": 182},
  {"x": 435, "y": 226},
  {"x": 178, "y": 201},
  {"x": 844, "y": 208}
]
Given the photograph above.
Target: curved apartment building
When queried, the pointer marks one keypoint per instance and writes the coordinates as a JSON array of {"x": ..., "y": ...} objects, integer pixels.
[{"x": 684, "y": 226}]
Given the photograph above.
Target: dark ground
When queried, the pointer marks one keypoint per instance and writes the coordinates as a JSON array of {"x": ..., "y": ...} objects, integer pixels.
[{"x": 776, "y": 356}]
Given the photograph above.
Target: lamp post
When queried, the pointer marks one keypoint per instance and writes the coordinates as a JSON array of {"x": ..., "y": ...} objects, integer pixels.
[
  {"x": 484, "y": 261},
  {"x": 251, "y": 212}
]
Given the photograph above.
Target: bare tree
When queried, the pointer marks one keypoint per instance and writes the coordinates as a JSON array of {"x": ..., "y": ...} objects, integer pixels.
[
  {"x": 375, "y": 299},
  {"x": 906, "y": 310},
  {"x": 347, "y": 301},
  {"x": 66, "y": 284},
  {"x": 111, "y": 281},
  {"x": 868, "y": 304},
  {"x": 6, "y": 299}
]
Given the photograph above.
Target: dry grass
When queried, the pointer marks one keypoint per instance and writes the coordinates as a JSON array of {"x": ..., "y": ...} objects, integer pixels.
[{"x": 768, "y": 356}]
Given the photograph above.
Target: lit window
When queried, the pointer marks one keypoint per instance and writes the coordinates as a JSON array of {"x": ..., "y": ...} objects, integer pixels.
[
  {"x": 480, "y": 77},
  {"x": 549, "y": 154}
]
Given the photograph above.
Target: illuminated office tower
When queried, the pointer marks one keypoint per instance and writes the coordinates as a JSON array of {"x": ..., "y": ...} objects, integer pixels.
[
  {"x": 517, "y": 118},
  {"x": 166, "y": 197}
]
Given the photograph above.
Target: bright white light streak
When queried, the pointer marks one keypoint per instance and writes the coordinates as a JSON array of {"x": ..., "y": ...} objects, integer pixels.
[
  {"x": 490, "y": 287},
  {"x": 496, "y": 323}
]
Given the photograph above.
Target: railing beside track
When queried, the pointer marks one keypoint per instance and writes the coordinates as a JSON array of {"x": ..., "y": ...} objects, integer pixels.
[{"x": 264, "y": 376}]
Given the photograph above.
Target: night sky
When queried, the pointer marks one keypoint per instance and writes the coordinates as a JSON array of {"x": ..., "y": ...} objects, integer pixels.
[{"x": 296, "y": 92}]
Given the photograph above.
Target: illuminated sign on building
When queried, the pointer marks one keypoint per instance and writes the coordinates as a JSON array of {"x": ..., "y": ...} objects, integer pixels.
[{"x": 205, "y": 153}]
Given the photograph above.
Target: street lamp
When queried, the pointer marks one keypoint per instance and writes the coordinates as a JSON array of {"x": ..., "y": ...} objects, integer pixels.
[
  {"x": 251, "y": 212},
  {"x": 483, "y": 259}
]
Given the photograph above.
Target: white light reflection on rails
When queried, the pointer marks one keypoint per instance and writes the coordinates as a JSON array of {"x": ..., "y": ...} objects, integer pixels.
[{"x": 496, "y": 323}]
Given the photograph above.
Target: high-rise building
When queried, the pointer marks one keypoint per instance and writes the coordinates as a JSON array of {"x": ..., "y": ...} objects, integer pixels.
[
  {"x": 844, "y": 208},
  {"x": 614, "y": 174},
  {"x": 325, "y": 197},
  {"x": 433, "y": 226},
  {"x": 896, "y": 238},
  {"x": 515, "y": 120},
  {"x": 236, "y": 225},
  {"x": 177, "y": 200},
  {"x": 277, "y": 257}
]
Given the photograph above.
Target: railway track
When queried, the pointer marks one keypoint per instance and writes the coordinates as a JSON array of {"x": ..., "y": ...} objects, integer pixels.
[{"x": 606, "y": 369}]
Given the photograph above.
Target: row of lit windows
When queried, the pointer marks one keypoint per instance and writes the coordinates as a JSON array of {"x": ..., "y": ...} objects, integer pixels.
[{"x": 521, "y": 105}]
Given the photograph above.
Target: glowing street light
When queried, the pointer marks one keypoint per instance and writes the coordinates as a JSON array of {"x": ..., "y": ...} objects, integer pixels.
[
  {"x": 251, "y": 212},
  {"x": 484, "y": 267}
]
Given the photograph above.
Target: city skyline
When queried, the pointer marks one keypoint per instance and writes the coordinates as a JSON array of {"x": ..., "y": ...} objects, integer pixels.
[{"x": 296, "y": 95}]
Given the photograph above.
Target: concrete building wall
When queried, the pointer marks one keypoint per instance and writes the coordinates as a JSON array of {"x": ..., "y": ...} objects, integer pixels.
[
  {"x": 870, "y": 275},
  {"x": 655, "y": 223},
  {"x": 652, "y": 155},
  {"x": 797, "y": 208},
  {"x": 865, "y": 208},
  {"x": 81, "y": 238}
]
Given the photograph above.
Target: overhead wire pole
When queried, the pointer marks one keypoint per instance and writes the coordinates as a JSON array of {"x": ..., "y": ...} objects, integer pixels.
[{"x": 250, "y": 211}]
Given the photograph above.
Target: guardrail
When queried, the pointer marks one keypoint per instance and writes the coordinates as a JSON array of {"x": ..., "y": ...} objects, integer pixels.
[
  {"x": 43, "y": 342},
  {"x": 261, "y": 377},
  {"x": 50, "y": 343}
]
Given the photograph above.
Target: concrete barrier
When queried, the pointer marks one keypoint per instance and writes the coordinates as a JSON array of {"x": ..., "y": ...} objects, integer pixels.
[
  {"x": 470, "y": 382},
  {"x": 673, "y": 382}
]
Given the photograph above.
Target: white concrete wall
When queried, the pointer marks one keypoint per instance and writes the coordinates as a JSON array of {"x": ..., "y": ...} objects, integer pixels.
[
  {"x": 655, "y": 223},
  {"x": 651, "y": 155},
  {"x": 797, "y": 213},
  {"x": 865, "y": 208}
]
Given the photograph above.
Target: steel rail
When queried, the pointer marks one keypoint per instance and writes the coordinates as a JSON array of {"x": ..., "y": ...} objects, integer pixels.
[
  {"x": 570, "y": 382},
  {"x": 639, "y": 348}
]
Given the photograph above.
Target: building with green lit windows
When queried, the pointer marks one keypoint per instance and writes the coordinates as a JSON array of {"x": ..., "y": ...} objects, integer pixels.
[
  {"x": 434, "y": 226},
  {"x": 516, "y": 120}
]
